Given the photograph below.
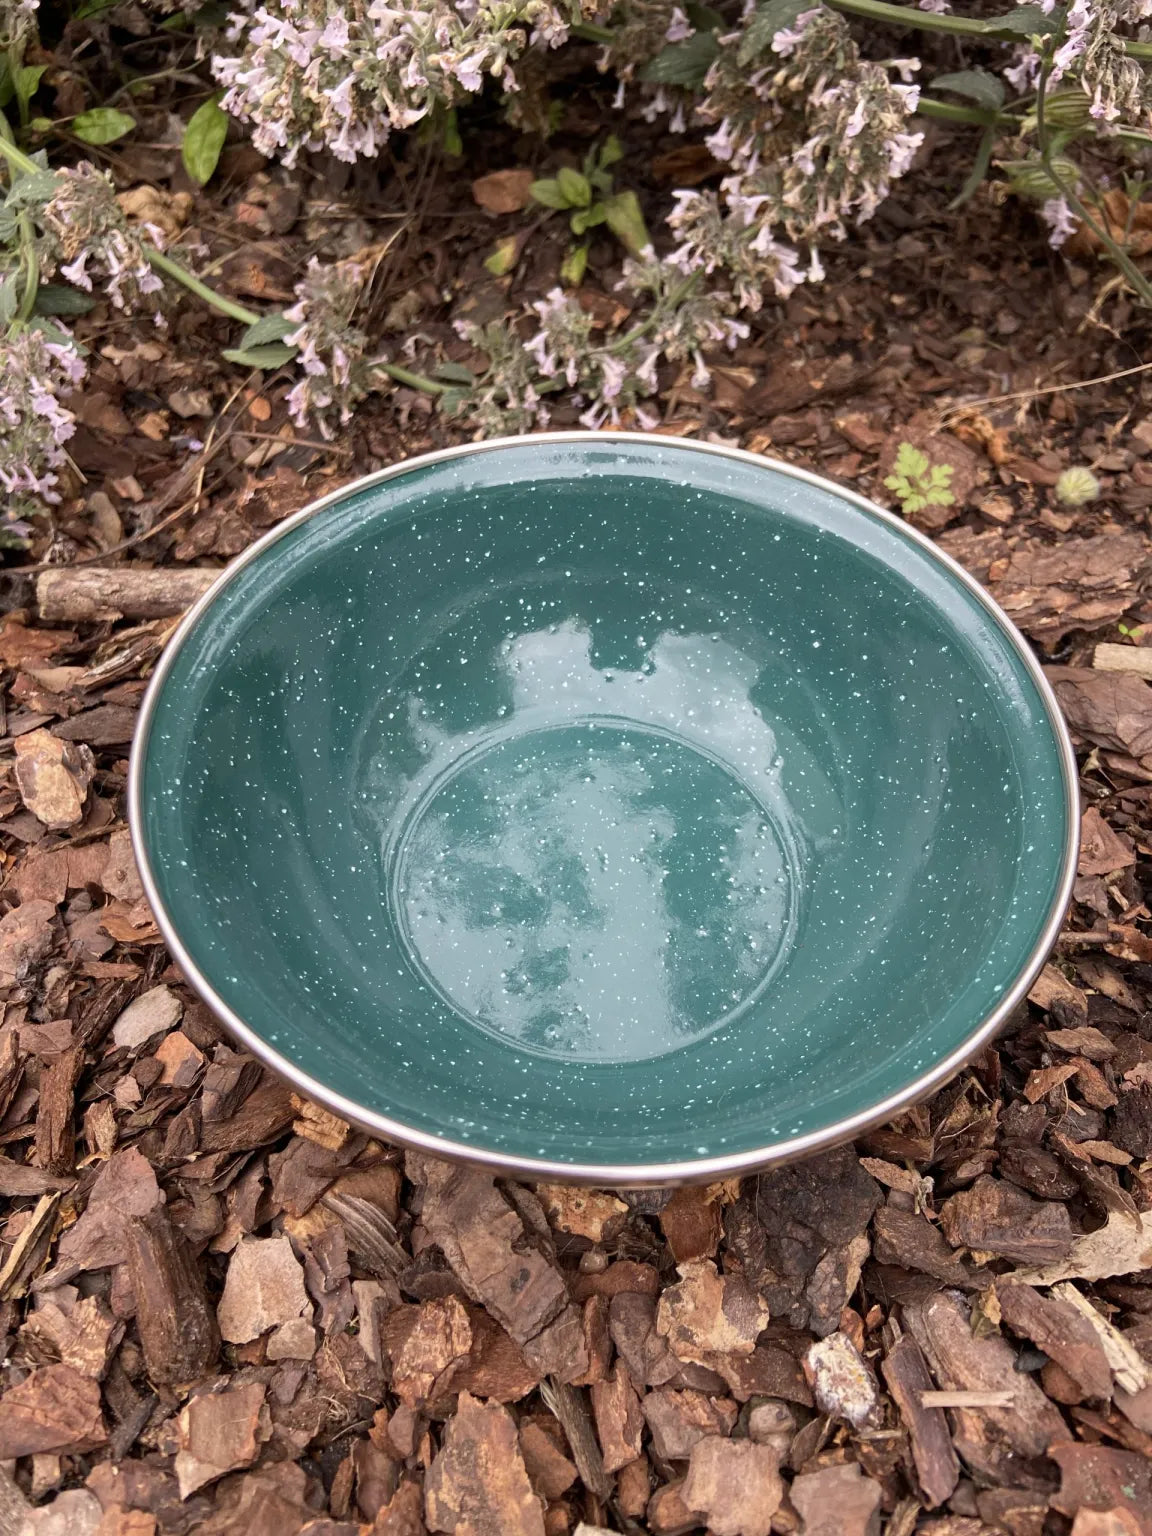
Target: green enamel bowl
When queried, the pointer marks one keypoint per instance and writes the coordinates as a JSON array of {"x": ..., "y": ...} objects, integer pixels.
[{"x": 604, "y": 807}]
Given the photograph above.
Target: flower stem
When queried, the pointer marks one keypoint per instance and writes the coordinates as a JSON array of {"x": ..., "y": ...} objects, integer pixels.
[
  {"x": 413, "y": 380},
  {"x": 922, "y": 21},
  {"x": 15, "y": 157},
  {"x": 181, "y": 274},
  {"x": 1136, "y": 279},
  {"x": 928, "y": 106},
  {"x": 591, "y": 33}
]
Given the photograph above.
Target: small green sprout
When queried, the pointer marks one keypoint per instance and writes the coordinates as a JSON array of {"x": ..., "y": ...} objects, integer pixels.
[
  {"x": 588, "y": 199},
  {"x": 918, "y": 482}
]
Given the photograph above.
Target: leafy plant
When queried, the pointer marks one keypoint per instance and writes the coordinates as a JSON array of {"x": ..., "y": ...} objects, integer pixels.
[
  {"x": 588, "y": 198},
  {"x": 917, "y": 482}
]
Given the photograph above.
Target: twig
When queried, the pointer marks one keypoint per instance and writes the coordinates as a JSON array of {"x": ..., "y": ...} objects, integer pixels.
[{"x": 1032, "y": 394}]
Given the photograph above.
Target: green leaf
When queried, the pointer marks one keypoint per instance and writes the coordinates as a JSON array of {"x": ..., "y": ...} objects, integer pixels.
[
  {"x": 454, "y": 373},
  {"x": 27, "y": 80},
  {"x": 627, "y": 222},
  {"x": 503, "y": 256},
  {"x": 41, "y": 125},
  {"x": 93, "y": 8},
  {"x": 61, "y": 299},
  {"x": 203, "y": 140},
  {"x": 9, "y": 298},
  {"x": 703, "y": 17},
  {"x": 768, "y": 19},
  {"x": 611, "y": 151},
  {"x": 585, "y": 218},
  {"x": 979, "y": 169},
  {"x": 575, "y": 265},
  {"x": 683, "y": 63},
  {"x": 1027, "y": 20},
  {"x": 976, "y": 84},
  {"x": 1031, "y": 178},
  {"x": 548, "y": 193},
  {"x": 274, "y": 355},
  {"x": 911, "y": 461},
  {"x": 7, "y": 90},
  {"x": 575, "y": 188},
  {"x": 102, "y": 125},
  {"x": 273, "y": 327}
]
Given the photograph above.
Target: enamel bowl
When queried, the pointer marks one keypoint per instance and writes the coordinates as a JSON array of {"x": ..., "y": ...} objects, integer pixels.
[{"x": 604, "y": 806}]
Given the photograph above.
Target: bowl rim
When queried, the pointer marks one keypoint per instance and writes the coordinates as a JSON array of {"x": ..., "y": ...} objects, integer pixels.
[{"x": 617, "y": 1175}]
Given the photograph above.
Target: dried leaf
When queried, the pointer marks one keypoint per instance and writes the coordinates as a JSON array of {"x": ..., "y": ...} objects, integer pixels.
[{"x": 503, "y": 191}]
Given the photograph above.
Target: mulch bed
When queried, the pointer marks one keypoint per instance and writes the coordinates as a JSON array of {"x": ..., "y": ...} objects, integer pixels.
[{"x": 226, "y": 1310}]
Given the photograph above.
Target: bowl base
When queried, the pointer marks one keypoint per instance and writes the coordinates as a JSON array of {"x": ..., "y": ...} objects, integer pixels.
[{"x": 599, "y": 891}]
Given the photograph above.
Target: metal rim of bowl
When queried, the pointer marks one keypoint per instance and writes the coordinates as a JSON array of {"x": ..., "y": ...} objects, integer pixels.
[{"x": 618, "y": 1175}]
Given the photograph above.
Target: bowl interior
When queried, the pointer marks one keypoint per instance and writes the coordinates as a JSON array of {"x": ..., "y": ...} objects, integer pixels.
[{"x": 604, "y": 802}]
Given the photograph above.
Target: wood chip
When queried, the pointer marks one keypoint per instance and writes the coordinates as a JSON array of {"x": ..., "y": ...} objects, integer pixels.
[
  {"x": 735, "y": 1485},
  {"x": 937, "y": 1468},
  {"x": 1136, "y": 659},
  {"x": 86, "y": 594},
  {"x": 478, "y": 1484},
  {"x": 678, "y": 1420},
  {"x": 1098, "y": 1477},
  {"x": 1102, "y": 851},
  {"x": 1122, "y": 1246},
  {"x": 837, "y": 1501},
  {"x": 996, "y": 1217},
  {"x": 485, "y": 1242},
  {"x": 125, "y": 1187},
  {"x": 619, "y": 1421},
  {"x": 54, "y": 1409},
  {"x": 590, "y": 1213},
  {"x": 503, "y": 191},
  {"x": 53, "y": 777},
  {"x": 264, "y": 1288},
  {"x": 693, "y": 1222},
  {"x": 1129, "y": 1367},
  {"x": 1061, "y": 1332},
  {"x": 706, "y": 1313},
  {"x": 152, "y": 1013},
  {"x": 550, "y": 1472},
  {"x": 425, "y": 1343},
  {"x": 992, "y": 1440},
  {"x": 177, "y": 1326},
  {"x": 218, "y": 1434}
]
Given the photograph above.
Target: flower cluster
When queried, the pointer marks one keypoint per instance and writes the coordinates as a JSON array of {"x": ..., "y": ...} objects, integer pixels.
[
  {"x": 86, "y": 236},
  {"x": 314, "y": 74},
  {"x": 680, "y": 323},
  {"x": 1092, "y": 53},
  {"x": 814, "y": 133},
  {"x": 337, "y": 375},
  {"x": 40, "y": 367}
]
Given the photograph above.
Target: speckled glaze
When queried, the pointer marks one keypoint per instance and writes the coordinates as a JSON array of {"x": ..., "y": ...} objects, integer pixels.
[{"x": 604, "y": 805}]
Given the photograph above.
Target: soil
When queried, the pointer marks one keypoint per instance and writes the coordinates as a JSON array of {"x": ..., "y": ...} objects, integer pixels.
[{"x": 224, "y": 1309}]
